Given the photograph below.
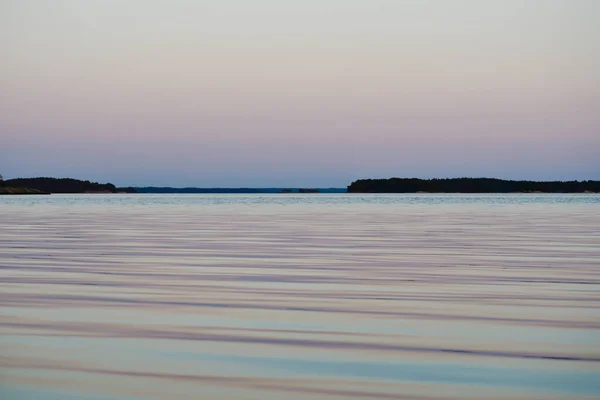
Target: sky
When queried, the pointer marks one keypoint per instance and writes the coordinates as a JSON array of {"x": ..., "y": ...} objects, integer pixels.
[{"x": 312, "y": 93}]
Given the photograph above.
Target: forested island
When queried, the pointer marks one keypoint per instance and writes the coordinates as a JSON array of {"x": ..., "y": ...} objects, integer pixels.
[
  {"x": 58, "y": 185},
  {"x": 470, "y": 185},
  {"x": 5, "y": 189},
  {"x": 18, "y": 190},
  {"x": 47, "y": 185}
]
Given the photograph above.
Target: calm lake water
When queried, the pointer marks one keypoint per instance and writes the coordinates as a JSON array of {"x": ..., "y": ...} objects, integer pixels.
[{"x": 300, "y": 297}]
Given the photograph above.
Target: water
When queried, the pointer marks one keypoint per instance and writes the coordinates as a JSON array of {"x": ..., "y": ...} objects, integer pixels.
[{"x": 300, "y": 297}]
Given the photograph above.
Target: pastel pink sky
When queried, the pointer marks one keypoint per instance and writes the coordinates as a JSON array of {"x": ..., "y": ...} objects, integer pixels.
[{"x": 299, "y": 93}]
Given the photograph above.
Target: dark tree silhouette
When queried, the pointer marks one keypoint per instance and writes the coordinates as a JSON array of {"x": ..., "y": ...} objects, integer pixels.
[
  {"x": 469, "y": 185},
  {"x": 61, "y": 185}
]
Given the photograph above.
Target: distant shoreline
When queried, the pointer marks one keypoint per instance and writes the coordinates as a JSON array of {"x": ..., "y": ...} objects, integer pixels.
[
  {"x": 195, "y": 190},
  {"x": 38, "y": 186},
  {"x": 13, "y": 191},
  {"x": 470, "y": 185},
  {"x": 46, "y": 185}
]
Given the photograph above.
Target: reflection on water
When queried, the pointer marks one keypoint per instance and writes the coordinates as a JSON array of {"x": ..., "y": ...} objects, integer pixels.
[{"x": 300, "y": 297}]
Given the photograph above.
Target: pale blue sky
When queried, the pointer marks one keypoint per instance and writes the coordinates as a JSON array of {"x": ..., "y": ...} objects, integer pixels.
[{"x": 299, "y": 93}]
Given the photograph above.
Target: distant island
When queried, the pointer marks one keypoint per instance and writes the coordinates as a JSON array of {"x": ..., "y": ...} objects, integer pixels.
[
  {"x": 470, "y": 185},
  {"x": 6, "y": 189},
  {"x": 301, "y": 191},
  {"x": 18, "y": 190},
  {"x": 57, "y": 185},
  {"x": 153, "y": 189},
  {"x": 46, "y": 185}
]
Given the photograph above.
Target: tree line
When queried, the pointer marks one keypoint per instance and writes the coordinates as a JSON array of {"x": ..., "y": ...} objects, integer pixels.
[
  {"x": 64, "y": 185},
  {"x": 469, "y": 185}
]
